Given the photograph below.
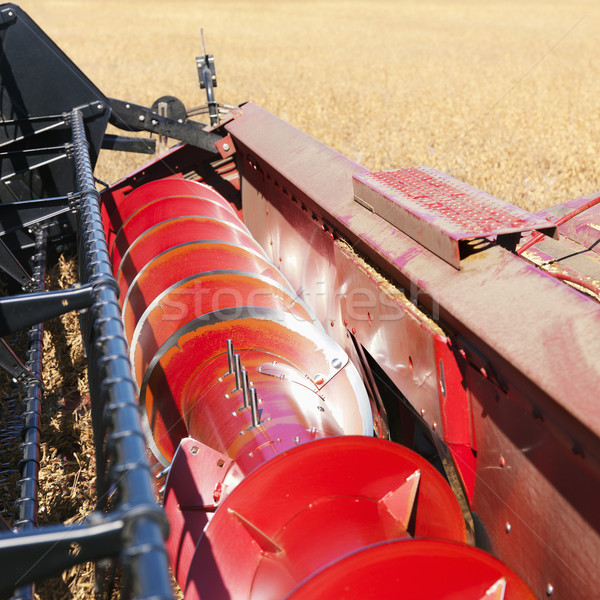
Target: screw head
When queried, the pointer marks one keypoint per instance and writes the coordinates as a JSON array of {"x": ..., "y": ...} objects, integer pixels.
[
  {"x": 226, "y": 147},
  {"x": 336, "y": 362},
  {"x": 508, "y": 527},
  {"x": 549, "y": 589},
  {"x": 141, "y": 118},
  {"x": 194, "y": 450}
]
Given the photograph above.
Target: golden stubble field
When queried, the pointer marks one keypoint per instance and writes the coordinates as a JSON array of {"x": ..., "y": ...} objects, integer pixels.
[{"x": 503, "y": 95}]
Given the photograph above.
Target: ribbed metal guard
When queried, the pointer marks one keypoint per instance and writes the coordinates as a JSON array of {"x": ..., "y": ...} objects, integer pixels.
[{"x": 439, "y": 211}]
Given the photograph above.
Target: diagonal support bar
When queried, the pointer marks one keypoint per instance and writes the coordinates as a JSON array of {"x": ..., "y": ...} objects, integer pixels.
[
  {"x": 19, "y": 312},
  {"x": 33, "y": 555},
  {"x": 11, "y": 266}
]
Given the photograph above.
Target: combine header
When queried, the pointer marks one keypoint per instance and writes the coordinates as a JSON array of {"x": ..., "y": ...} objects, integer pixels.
[{"x": 349, "y": 384}]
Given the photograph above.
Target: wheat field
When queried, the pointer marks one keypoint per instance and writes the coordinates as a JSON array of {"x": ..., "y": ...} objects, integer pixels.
[{"x": 504, "y": 95}]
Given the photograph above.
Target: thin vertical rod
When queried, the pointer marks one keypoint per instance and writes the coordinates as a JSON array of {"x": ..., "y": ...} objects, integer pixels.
[{"x": 32, "y": 405}]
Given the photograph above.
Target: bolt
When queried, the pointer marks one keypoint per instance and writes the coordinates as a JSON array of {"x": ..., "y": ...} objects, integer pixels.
[
  {"x": 226, "y": 147},
  {"x": 217, "y": 492},
  {"x": 128, "y": 106},
  {"x": 336, "y": 362},
  {"x": 549, "y": 589},
  {"x": 422, "y": 411},
  {"x": 434, "y": 425},
  {"x": 141, "y": 118},
  {"x": 195, "y": 450},
  {"x": 502, "y": 462},
  {"x": 154, "y": 122},
  {"x": 508, "y": 527},
  {"x": 100, "y": 107}
]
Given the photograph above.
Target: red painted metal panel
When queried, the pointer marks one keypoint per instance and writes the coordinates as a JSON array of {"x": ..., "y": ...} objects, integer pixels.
[
  {"x": 494, "y": 302},
  {"x": 525, "y": 336}
]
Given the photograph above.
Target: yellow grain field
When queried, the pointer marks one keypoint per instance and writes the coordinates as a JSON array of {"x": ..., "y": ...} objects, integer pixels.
[
  {"x": 504, "y": 95},
  {"x": 501, "y": 94}
]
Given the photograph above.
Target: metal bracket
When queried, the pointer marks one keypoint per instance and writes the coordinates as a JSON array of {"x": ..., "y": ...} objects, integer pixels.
[
  {"x": 206, "y": 61},
  {"x": 133, "y": 117},
  {"x": 7, "y": 16},
  {"x": 74, "y": 199},
  {"x": 11, "y": 266},
  {"x": 11, "y": 363},
  {"x": 19, "y": 312},
  {"x": 121, "y": 143}
]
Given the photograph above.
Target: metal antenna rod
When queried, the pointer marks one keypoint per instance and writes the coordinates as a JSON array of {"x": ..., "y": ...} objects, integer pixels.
[
  {"x": 208, "y": 81},
  {"x": 202, "y": 37}
]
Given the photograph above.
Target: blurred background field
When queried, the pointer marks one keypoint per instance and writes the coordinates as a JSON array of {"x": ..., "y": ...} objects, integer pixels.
[{"x": 504, "y": 95}]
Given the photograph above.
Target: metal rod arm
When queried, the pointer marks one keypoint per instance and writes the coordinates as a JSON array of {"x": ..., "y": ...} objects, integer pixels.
[
  {"x": 33, "y": 555},
  {"x": 133, "y": 117},
  {"x": 19, "y": 312}
]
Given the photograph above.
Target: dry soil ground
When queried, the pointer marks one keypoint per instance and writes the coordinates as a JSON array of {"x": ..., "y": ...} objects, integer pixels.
[{"x": 503, "y": 95}]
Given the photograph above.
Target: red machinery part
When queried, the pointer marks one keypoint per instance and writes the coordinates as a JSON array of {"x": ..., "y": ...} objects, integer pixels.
[{"x": 275, "y": 487}]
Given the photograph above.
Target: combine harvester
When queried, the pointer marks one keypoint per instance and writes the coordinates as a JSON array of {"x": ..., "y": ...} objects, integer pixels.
[{"x": 351, "y": 384}]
